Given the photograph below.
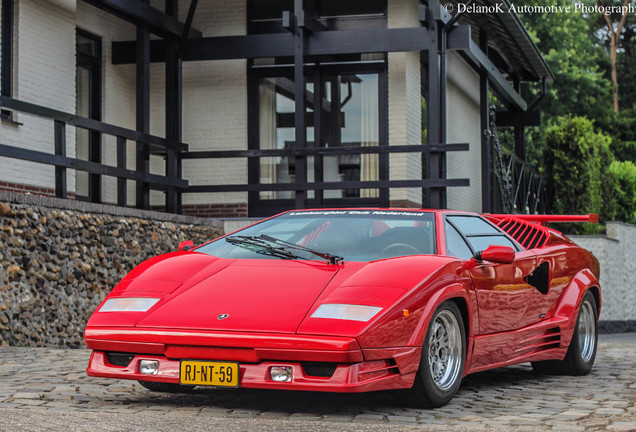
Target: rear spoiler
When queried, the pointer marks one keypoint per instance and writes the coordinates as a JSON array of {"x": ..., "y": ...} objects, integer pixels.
[{"x": 541, "y": 219}]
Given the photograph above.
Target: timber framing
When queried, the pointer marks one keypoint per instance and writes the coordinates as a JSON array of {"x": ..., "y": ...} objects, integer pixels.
[
  {"x": 329, "y": 43},
  {"x": 138, "y": 12}
]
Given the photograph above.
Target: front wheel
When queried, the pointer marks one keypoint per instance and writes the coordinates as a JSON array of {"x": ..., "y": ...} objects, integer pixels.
[
  {"x": 443, "y": 359},
  {"x": 582, "y": 350}
]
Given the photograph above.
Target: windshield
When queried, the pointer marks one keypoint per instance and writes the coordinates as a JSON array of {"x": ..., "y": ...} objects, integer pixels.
[{"x": 352, "y": 235}]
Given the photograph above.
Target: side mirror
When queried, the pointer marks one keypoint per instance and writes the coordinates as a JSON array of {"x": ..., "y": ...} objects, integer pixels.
[
  {"x": 186, "y": 245},
  {"x": 496, "y": 254}
]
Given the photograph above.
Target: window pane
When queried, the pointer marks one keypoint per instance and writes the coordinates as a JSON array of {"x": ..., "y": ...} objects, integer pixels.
[
  {"x": 473, "y": 225},
  {"x": 455, "y": 244},
  {"x": 482, "y": 243}
]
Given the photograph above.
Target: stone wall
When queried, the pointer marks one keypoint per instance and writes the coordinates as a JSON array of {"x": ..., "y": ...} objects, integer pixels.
[
  {"x": 617, "y": 257},
  {"x": 59, "y": 259}
]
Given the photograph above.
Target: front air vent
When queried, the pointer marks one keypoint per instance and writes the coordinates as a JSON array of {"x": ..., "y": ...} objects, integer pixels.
[
  {"x": 119, "y": 359},
  {"x": 319, "y": 369}
]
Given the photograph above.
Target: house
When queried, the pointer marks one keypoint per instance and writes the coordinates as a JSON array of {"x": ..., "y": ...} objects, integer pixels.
[{"x": 224, "y": 108}]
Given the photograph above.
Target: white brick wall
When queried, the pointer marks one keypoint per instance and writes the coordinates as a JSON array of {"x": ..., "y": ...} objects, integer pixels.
[
  {"x": 617, "y": 257},
  {"x": 44, "y": 74},
  {"x": 463, "y": 126},
  {"x": 215, "y": 105},
  {"x": 405, "y": 110}
]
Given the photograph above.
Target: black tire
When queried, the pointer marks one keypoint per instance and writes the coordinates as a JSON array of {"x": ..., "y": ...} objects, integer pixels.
[
  {"x": 166, "y": 387},
  {"x": 581, "y": 353},
  {"x": 437, "y": 380}
]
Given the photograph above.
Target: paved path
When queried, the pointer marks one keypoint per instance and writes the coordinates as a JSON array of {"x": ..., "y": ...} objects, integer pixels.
[{"x": 47, "y": 389}]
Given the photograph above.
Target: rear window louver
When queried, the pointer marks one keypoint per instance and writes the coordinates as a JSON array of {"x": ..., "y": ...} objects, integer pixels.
[{"x": 528, "y": 234}]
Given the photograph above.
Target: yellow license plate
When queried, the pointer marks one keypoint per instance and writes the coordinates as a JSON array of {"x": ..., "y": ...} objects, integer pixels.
[{"x": 209, "y": 373}]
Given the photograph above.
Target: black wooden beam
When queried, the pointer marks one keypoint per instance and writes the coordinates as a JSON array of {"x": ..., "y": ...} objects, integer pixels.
[
  {"x": 173, "y": 104},
  {"x": 484, "y": 122},
  {"x": 299, "y": 106},
  {"x": 156, "y": 143},
  {"x": 282, "y": 45},
  {"x": 122, "y": 192},
  {"x": 64, "y": 162},
  {"x": 518, "y": 119},
  {"x": 61, "y": 190},
  {"x": 324, "y": 151},
  {"x": 434, "y": 198},
  {"x": 139, "y": 12},
  {"x": 142, "y": 107},
  {"x": 428, "y": 183},
  {"x": 459, "y": 39},
  {"x": 6, "y": 50}
]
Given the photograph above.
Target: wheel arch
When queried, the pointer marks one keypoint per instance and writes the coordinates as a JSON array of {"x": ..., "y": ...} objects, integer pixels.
[
  {"x": 466, "y": 304},
  {"x": 596, "y": 292}
]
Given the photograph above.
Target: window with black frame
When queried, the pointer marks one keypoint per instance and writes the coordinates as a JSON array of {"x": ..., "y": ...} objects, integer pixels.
[{"x": 346, "y": 106}]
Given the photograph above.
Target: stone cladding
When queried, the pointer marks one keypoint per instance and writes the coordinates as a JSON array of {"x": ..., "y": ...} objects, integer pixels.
[{"x": 57, "y": 265}]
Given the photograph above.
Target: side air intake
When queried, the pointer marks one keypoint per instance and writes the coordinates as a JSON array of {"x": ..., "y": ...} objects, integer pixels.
[{"x": 529, "y": 235}]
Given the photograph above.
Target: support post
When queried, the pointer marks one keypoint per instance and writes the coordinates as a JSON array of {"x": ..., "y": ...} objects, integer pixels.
[
  {"x": 434, "y": 168},
  {"x": 484, "y": 119},
  {"x": 6, "y": 49},
  {"x": 143, "y": 111},
  {"x": 299, "y": 97},
  {"x": 173, "y": 103},
  {"x": 122, "y": 199},
  {"x": 61, "y": 190}
]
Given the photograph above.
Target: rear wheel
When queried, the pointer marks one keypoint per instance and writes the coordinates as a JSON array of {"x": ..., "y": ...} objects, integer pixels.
[
  {"x": 166, "y": 387},
  {"x": 442, "y": 363},
  {"x": 582, "y": 350}
]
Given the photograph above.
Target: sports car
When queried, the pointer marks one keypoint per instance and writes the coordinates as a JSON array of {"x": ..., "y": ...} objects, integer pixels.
[{"x": 354, "y": 300}]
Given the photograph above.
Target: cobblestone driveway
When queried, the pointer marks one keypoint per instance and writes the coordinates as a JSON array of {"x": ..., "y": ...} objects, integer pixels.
[{"x": 47, "y": 389}]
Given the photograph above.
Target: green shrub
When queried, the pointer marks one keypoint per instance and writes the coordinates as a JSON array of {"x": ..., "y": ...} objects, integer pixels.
[
  {"x": 625, "y": 175},
  {"x": 576, "y": 162}
]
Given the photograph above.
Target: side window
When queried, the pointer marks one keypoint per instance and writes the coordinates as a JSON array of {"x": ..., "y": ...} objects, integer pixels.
[
  {"x": 455, "y": 244},
  {"x": 479, "y": 233},
  {"x": 482, "y": 242}
]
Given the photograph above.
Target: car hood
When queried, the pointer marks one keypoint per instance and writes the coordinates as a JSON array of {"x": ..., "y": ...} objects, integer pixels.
[
  {"x": 203, "y": 292},
  {"x": 244, "y": 295}
]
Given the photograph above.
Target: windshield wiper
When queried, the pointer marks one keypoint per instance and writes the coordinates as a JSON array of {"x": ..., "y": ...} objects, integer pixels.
[
  {"x": 264, "y": 244},
  {"x": 331, "y": 259},
  {"x": 259, "y": 246}
]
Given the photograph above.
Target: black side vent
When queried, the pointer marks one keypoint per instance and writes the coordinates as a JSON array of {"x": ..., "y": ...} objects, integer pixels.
[
  {"x": 120, "y": 359},
  {"x": 320, "y": 369}
]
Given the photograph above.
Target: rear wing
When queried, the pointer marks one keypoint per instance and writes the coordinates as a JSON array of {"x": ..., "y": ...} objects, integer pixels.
[
  {"x": 529, "y": 231},
  {"x": 541, "y": 219}
]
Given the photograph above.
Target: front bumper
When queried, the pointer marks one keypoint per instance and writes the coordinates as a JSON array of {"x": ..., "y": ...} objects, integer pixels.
[{"x": 356, "y": 370}]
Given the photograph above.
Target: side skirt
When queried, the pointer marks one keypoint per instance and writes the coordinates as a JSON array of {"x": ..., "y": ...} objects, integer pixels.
[{"x": 545, "y": 340}]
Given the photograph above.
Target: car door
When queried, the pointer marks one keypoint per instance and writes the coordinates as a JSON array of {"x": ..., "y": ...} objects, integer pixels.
[{"x": 502, "y": 291}]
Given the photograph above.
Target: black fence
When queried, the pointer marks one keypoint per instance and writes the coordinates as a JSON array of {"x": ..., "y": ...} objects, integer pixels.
[
  {"x": 159, "y": 146},
  {"x": 60, "y": 120}
]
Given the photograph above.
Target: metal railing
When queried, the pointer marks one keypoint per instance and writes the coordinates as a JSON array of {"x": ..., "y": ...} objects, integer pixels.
[{"x": 528, "y": 188}]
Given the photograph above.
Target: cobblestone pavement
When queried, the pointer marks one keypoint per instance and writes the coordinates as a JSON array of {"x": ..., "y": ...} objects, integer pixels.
[{"x": 47, "y": 389}]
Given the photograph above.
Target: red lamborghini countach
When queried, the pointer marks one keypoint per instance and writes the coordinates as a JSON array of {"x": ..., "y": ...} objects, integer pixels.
[{"x": 354, "y": 300}]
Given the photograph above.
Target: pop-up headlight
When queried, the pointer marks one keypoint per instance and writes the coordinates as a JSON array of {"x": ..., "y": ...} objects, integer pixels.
[
  {"x": 346, "y": 312},
  {"x": 131, "y": 304}
]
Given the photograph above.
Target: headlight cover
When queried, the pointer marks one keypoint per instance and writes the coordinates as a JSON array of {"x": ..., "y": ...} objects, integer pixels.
[
  {"x": 128, "y": 304},
  {"x": 346, "y": 312}
]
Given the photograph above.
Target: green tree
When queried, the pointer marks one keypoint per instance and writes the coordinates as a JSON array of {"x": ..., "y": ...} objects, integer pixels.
[
  {"x": 576, "y": 162},
  {"x": 625, "y": 175},
  {"x": 581, "y": 87}
]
